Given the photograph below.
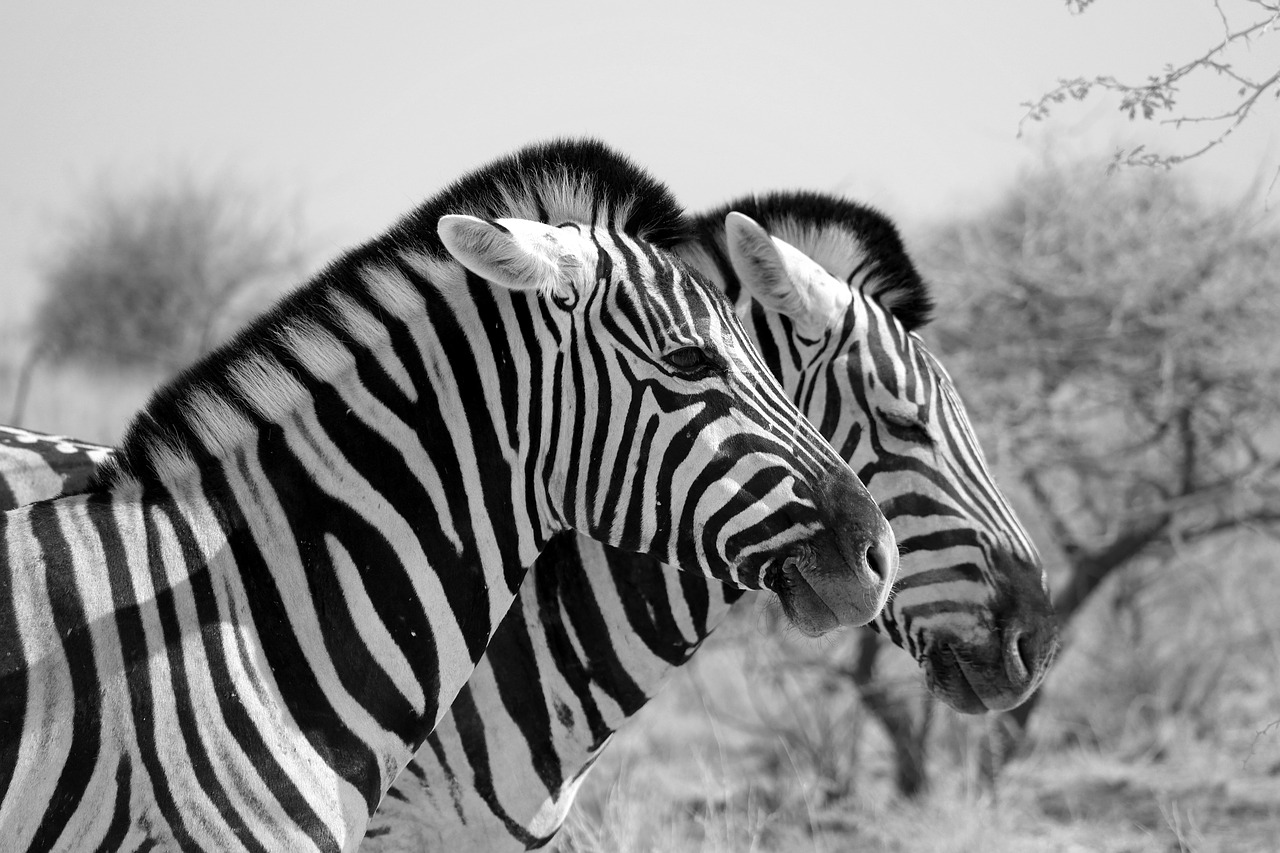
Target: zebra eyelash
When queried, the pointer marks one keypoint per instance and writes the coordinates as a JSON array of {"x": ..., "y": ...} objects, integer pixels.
[
  {"x": 906, "y": 427},
  {"x": 693, "y": 362}
]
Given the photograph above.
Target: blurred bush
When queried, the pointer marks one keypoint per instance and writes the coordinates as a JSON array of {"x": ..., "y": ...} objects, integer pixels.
[
  {"x": 151, "y": 275},
  {"x": 154, "y": 276}
]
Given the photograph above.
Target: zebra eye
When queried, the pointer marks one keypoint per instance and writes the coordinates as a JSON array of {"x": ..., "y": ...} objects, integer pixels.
[
  {"x": 690, "y": 360},
  {"x": 906, "y": 427}
]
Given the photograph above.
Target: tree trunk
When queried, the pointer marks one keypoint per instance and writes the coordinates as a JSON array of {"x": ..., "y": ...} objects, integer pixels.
[
  {"x": 25, "y": 371},
  {"x": 909, "y": 739}
]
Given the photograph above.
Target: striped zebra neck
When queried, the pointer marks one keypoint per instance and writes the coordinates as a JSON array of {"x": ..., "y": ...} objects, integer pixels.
[
  {"x": 564, "y": 180},
  {"x": 225, "y": 539},
  {"x": 389, "y": 381}
]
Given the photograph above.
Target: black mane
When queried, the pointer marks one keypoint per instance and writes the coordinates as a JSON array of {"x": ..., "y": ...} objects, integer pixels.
[
  {"x": 581, "y": 180},
  {"x": 563, "y": 180},
  {"x": 801, "y": 217}
]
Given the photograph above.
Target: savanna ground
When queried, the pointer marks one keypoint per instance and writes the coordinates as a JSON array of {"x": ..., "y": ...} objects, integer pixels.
[{"x": 1160, "y": 730}]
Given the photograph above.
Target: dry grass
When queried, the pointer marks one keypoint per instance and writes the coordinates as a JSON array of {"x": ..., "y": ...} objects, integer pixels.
[{"x": 1153, "y": 737}]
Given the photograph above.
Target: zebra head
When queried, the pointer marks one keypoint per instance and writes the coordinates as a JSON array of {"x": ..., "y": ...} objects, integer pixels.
[
  {"x": 672, "y": 439},
  {"x": 833, "y": 302}
]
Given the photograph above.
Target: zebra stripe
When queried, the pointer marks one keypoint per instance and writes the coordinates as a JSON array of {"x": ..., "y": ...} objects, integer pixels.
[{"x": 190, "y": 641}]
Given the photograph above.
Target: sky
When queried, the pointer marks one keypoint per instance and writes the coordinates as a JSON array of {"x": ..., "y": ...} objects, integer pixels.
[{"x": 357, "y": 112}]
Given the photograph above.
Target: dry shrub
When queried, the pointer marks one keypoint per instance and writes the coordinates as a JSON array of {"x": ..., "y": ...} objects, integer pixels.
[{"x": 1186, "y": 644}]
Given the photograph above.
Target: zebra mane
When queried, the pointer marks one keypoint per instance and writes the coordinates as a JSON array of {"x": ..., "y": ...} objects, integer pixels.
[
  {"x": 851, "y": 241},
  {"x": 212, "y": 405},
  {"x": 579, "y": 180}
]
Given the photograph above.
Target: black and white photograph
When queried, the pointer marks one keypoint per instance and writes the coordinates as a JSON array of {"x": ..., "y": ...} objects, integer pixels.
[{"x": 678, "y": 427}]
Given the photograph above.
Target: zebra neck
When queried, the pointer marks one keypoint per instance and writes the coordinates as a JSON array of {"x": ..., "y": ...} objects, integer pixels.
[
  {"x": 412, "y": 490},
  {"x": 406, "y": 478},
  {"x": 342, "y": 529}
]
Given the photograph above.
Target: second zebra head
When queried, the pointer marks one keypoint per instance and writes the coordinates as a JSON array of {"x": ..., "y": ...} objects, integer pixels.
[{"x": 832, "y": 300}]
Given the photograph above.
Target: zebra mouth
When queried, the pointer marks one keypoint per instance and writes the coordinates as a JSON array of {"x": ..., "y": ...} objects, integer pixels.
[
  {"x": 789, "y": 574},
  {"x": 948, "y": 678},
  {"x": 800, "y": 601},
  {"x": 970, "y": 681}
]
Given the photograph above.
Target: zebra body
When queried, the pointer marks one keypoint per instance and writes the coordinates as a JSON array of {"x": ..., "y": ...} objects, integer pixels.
[
  {"x": 595, "y": 631},
  {"x": 266, "y": 600}
]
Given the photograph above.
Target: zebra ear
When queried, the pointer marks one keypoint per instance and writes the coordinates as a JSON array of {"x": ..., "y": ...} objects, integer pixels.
[
  {"x": 517, "y": 254},
  {"x": 784, "y": 279}
]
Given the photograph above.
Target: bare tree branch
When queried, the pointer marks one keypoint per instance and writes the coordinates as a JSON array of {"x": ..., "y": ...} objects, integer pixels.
[
  {"x": 908, "y": 737},
  {"x": 1058, "y": 528},
  {"x": 1090, "y": 570},
  {"x": 1157, "y": 98}
]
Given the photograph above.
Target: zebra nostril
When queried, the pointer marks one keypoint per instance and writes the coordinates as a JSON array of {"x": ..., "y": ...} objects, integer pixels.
[
  {"x": 1019, "y": 655},
  {"x": 881, "y": 560},
  {"x": 1026, "y": 652},
  {"x": 872, "y": 559}
]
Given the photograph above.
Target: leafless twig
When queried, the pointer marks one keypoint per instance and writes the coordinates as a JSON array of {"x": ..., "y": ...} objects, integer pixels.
[{"x": 1157, "y": 98}]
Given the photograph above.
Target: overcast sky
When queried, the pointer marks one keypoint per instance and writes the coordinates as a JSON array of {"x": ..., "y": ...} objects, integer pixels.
[{"x": 360, "y": 110}]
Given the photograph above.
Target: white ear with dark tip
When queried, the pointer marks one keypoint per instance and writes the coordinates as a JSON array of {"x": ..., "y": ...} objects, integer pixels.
[
  {"x": 782, "y": 278},
  {"x": 517, "y": 254}
]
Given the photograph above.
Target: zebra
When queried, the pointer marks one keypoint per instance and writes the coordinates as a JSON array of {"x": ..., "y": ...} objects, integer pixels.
[
  {"x": 263, "y": 604},
  {"x": 501, "y": 770}
]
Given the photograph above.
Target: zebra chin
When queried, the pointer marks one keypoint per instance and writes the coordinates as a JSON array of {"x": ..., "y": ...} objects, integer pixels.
[{"x": 996, "y": 675}]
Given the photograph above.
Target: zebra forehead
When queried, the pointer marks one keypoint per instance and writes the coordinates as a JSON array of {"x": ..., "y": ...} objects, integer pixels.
[
  {"x": 855, "y": 243},
  {"x": 689, "y": 313},
  {"x": 669, "y": 285}
]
